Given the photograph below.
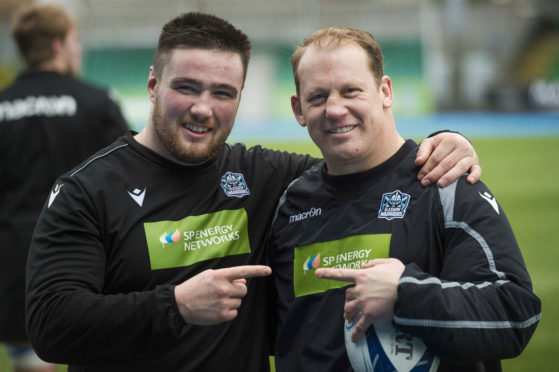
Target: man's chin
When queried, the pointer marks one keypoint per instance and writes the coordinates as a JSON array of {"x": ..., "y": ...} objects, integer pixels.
[{"x": 196, "y": 155}]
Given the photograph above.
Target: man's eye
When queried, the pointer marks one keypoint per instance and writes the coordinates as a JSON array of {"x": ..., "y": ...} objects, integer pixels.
[
  {"x": 185, "y": 88},
  {"x": 224, "y": 94},
  {"x": 316, "y": 98}
]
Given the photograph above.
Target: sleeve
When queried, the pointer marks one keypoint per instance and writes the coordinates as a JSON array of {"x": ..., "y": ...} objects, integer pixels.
[
  {"x": 287, "y": 166},
  {"x": 481, "y": 306},
  {"x": 69, "y": 319},
  {"x": 445, "y": 131}
]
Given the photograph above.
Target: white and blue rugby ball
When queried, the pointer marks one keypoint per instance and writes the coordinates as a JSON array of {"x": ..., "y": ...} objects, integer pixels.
[{"x": 385, "y": 349}]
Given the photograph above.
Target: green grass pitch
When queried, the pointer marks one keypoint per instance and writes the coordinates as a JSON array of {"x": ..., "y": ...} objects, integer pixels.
[{"x": 524, "y": 176}]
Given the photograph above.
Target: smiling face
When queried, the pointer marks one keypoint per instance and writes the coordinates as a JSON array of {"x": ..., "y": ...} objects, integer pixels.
[
  {"x": 346, "y": 111},
  {"x": 195, "y": 101}
]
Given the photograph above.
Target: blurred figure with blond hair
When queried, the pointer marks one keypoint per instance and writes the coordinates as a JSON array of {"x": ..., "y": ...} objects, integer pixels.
[{"x": 49, "y": 122}]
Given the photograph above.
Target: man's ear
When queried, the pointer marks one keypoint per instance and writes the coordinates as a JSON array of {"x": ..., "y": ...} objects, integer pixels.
[
  {"x": 387, "y": 93},
  {"x": 57, "y": 46},
  {"x": 296, "y": 107},
  {"x": 152, "y": 83}
]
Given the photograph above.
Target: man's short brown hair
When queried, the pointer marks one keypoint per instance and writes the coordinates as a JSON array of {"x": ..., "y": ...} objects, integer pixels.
[
  {"x": 35, "y": 27},
  {"x": 199, "y": 30},
  {"x": 334, "y": 37}
]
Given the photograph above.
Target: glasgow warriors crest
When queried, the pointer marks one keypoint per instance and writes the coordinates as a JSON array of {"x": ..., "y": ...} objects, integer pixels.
[
  {"x": 393, "y": 205},
  {"x": 233, "y": 184}
]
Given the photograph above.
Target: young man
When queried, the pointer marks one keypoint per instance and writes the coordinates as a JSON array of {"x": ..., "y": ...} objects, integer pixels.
[
  {"x": 49, "y": 122},
  {"x": 144, "y": 257},
  {"x": 445, "y": 264}
]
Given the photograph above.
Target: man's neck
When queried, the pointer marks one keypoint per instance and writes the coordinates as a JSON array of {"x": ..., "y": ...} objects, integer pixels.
[{"x": 54, "y": 65}]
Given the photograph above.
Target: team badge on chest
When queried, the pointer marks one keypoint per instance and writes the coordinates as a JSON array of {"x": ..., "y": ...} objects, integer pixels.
[
  {"x": 393, "y": 205},
  {"x": 234, "y": 185}
]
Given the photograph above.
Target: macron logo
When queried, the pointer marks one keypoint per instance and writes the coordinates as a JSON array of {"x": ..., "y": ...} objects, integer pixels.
[
  {"x": 138, "y": 196},
  {"x": 491, "y": 200},
  {"x": 313, "y": 212},
  {"x": 54, "y": 193}
]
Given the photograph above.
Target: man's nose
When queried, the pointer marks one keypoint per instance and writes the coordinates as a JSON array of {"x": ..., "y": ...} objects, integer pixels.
[
  {"x": 335, "y": 107},
  {"x": 201, "y": 109}
]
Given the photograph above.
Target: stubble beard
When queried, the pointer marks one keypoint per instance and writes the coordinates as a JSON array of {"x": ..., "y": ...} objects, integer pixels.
[{"x": 169, "y": 138}]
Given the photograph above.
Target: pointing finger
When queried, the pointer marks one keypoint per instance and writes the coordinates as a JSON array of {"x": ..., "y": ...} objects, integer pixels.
[
  {"x": 344, "y": 275},
  {"x": 375, "y": 262},
  {"x": 246, "y": 271}
]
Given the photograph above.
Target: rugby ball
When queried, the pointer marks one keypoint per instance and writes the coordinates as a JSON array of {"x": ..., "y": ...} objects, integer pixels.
[{"x": 385, "y": 349}]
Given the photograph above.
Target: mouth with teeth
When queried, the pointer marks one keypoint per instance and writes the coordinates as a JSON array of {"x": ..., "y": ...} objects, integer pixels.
[
  {"x": 197, "y": 129},
  {"x": 342, "y": 129}
]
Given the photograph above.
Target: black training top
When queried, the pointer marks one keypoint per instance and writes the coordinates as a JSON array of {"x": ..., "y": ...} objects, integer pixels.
[
  {"x": 465, "y": 290},
  {"x": 123, "y": 228}
]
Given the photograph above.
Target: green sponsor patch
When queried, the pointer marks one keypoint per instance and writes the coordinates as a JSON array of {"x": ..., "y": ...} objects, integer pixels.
[
  {"x": 347, "y": 253},
  {"x": 197, "y": 238}
]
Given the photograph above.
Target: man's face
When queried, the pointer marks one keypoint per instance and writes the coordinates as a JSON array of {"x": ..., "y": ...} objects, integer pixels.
[
  {"x": 72, "y": 52},
  {"x": 342, "y": 106},
  {"x": 195, "y": 103}
]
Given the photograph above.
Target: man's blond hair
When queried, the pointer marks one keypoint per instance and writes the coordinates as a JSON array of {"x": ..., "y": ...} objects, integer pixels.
[
  {"x": 35, "y": 27},
  {"x": 335, "y": 37}
]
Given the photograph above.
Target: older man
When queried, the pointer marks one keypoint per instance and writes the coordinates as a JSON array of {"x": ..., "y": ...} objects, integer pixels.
[{"x": 444, "y": 264}]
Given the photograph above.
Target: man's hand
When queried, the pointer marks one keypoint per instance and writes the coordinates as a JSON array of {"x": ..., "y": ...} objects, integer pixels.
[
  {"x": 213, "y": 296},
  {"x": 374, "y": 293},
  {"x": 445, "y": 157}
]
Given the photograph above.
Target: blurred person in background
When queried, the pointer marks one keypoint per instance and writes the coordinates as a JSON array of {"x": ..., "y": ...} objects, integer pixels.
[
  {"x": 49, "y": 122},
  {"x": 147, "y": 256},
  {"x": 441, "y": 264}
]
